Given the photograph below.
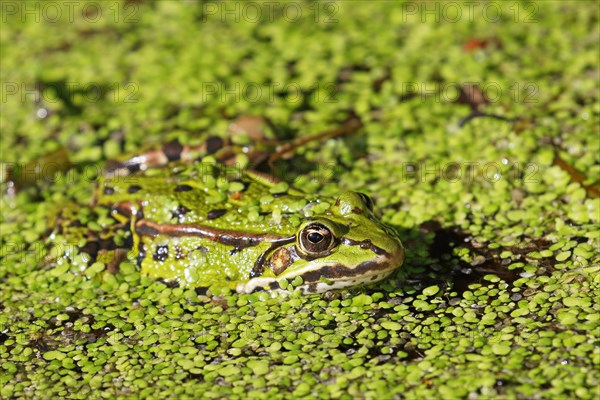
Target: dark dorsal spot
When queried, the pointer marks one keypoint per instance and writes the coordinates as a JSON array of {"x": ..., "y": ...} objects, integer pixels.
[
  {"x": 161, "y": 253},
  {"x": 214, "y": 214},
  {"x": 214, "y": 143},
  {"x": 356, "y": 210},
  {"x": 173, "y": 150},
  {"x": 183, "y": 188},
  {"x": 179, "y": 254},
  {"x": 108, "y": 190},
  {"x": 235, "y": 250},
  {"x": 134, "y": 189},
  {"x": 133, "y": 168},
  {"x": 141, "y": 253},
  {"x": 180, "y": 211}
]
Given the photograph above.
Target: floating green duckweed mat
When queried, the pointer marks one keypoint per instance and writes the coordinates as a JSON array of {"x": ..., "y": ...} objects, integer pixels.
[{"x": 499, "y": 213}]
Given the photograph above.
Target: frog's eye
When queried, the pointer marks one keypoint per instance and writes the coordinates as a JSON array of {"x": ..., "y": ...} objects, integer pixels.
[
  {"x": 316, "y": 240},
  {"x": 367, "y": 200}
]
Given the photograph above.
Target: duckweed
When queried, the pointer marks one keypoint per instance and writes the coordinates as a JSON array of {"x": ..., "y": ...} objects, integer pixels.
[{"x": 499, "y": 217}]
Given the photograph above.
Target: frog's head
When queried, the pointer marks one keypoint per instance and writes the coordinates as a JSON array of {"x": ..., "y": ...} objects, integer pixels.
[{"x": 345, "y": 246}]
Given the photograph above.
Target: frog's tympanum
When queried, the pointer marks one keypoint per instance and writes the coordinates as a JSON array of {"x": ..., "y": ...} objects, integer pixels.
[{"x": 208, "y": 225}]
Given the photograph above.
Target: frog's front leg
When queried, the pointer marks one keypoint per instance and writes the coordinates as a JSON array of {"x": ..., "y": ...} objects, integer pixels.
[{"x": 128, "y": 212}]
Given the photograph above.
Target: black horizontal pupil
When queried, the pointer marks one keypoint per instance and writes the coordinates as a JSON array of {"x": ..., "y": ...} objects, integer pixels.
[{"x": 315, "y": 237}]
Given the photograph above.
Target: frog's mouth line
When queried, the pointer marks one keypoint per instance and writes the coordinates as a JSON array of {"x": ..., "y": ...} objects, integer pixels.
[
  {"x": 338, "y": 272},
  {"x": 340, "y": 276}
]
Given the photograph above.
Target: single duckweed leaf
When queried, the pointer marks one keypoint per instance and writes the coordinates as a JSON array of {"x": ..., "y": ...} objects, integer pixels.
[{"x": 431, "y": 291}]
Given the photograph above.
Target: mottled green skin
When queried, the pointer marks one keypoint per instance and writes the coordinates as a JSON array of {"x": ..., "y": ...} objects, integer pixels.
[{"x": 194, "y": 195}]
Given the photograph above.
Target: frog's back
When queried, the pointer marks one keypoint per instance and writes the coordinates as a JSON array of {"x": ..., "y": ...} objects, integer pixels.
[
  {"x": 244, "y": 201},
  {"x": 233, "y": 220}
]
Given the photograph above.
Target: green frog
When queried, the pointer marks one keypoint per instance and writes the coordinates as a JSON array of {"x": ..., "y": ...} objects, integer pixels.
[{"x": 209, "y": 224}]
